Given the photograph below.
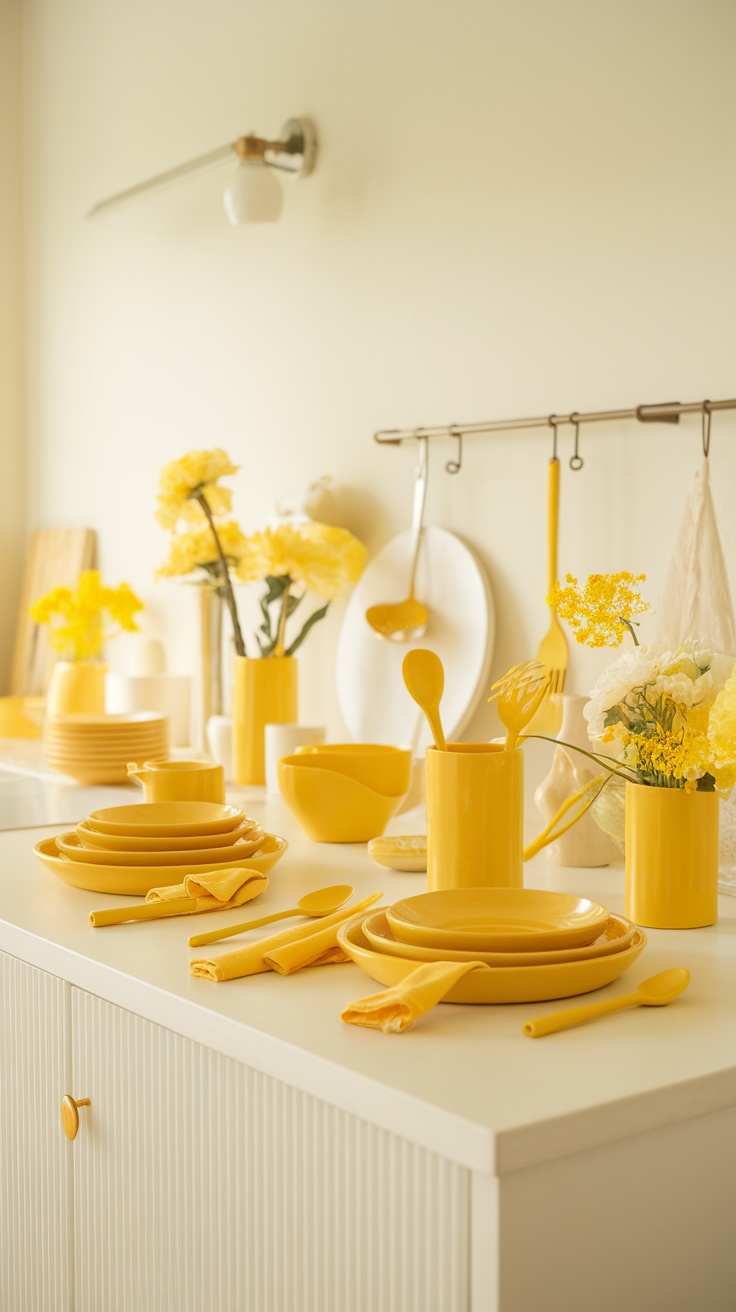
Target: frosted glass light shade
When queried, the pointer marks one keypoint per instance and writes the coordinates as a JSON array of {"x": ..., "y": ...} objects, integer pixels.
[{"x": 253, "y": 194}]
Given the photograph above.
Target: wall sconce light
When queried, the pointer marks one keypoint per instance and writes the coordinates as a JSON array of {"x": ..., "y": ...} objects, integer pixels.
[{"x": 252, "y": 193}]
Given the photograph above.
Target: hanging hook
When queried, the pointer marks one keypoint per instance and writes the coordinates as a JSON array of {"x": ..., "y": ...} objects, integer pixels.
[
  {"x": 454, "y": 466},
  {"x": 553, "y": 421},
  {"x": 706, "y": 428},
  {"x": 576, "y": 460}
]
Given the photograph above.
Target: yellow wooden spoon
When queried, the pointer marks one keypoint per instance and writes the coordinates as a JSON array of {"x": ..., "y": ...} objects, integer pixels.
[
  {"x": 656, "y": 991},
  {"x": 425, "y": 680},
  {"x": 322, "y": 902}
]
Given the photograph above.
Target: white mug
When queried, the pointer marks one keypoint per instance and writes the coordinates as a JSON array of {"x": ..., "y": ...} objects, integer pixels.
[
  {"x": 283, "y": 740},
  {"x": 220, "y": 740}
]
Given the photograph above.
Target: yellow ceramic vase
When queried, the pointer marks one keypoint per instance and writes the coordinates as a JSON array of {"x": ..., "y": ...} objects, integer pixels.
[
  {"x": 671, "y": 857},
  {"x": 475, "y": 816},
  {"x": 76, "y": 688},
  {"x": 265, "y": 691}
]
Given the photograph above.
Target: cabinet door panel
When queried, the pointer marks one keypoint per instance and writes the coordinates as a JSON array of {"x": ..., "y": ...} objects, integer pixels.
[
  {"x": 35, "y": 1157},
  {"x": 202, "y": 1184}
]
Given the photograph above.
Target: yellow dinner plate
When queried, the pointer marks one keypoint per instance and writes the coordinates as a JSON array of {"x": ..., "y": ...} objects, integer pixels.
[
  {"x": 135, "y": 881},
  {"x": 502, "y": 984},
  {"x": 400, "y": 852},
  {"x": 124, "y": 843},
  {"x": 166, "y": 819},
  {"x": 91, "y": 723},
  {"x": 497, "y": 919},
  {"x": 617, "y": 934},
  {"x": 70, "y": 845}
]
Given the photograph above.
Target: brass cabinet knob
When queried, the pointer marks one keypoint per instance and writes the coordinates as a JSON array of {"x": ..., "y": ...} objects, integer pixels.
[{"x": 70, "y": 1114}]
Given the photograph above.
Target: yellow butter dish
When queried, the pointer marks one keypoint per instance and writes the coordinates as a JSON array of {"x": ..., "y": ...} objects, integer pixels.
[
  {"x": 406, "y": 852},
  {"x": 497, "y": 919},
  {"x": 490, "y": 985}
]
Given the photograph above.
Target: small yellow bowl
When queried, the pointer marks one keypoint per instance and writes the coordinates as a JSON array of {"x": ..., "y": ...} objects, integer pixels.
[
  {"x": 385, "y": 768},
  {"x": 330, "y": 806}
]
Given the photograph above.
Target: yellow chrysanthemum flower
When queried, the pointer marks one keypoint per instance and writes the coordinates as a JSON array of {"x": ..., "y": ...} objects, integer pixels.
[
  {"x": 181, "y": 480},
  {"x": 600, "y": 612},
  {"x": 82, "y": 609},
  {"x": 323, "y": 558},
  {"x": 195, "y": 549}
]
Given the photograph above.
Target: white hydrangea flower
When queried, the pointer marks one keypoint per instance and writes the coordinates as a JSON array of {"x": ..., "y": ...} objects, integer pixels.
[{"x": 632, "y": 670}]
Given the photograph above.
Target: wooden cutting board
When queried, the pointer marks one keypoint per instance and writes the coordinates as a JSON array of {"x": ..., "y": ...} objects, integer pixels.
[{"x": 56, "y": 557}]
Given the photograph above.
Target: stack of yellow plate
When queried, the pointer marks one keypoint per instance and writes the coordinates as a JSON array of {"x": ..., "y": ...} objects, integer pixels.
[
  {"x": 131, "y": 849},
  {"x": 538, "y": 944},
  {"x": 96, "y": 749}
]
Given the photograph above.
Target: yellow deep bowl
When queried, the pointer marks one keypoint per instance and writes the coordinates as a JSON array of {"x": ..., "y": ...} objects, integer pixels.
[
  {"x": 332, "y": 807},
  {"x": 386, "y": 769}
]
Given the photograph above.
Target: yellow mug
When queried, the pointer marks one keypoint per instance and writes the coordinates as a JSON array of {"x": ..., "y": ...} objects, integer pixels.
[
  {"x": 475, "y": 816},
  {"x": 180, "y": 781}
]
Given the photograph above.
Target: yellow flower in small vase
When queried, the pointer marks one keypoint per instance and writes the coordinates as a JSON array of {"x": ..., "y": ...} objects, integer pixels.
[{"x": 80, "y": 620}]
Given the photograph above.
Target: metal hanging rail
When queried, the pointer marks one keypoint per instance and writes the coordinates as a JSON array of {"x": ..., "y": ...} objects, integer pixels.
[{"x": 667, "y": 412}]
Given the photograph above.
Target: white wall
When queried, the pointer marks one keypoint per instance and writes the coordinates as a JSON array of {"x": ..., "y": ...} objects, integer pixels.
[
  {"x": 12, "y": 460},
  {"x": 520, "y": 206}
]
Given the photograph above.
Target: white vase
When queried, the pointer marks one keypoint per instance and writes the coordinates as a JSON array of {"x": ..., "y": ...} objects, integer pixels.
[{"x": 584, "y": 844}]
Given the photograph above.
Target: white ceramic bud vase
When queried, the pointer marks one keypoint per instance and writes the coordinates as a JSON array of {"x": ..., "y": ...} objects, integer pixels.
[{"x": 584, "y": 844}]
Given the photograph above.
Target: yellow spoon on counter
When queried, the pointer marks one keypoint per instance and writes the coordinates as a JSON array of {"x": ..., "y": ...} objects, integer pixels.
[
  {"x": 656, "y": 991},
  {"x": 322, "y": 902}
]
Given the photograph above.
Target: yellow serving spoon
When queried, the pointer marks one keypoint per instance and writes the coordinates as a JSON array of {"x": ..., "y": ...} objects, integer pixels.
[
  {"x": 425, "y": 681},
  {"x": 322, "y": 902},
  {"x": 401, "y": 621},
  {"x": 656, "y": 991}
]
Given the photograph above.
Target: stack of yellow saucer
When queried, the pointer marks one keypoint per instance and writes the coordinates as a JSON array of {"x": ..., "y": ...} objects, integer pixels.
[
  {"x": 96, "y": 749},
  {"x": 131, "y": 849},
  {"x": 539, "y": 944}
]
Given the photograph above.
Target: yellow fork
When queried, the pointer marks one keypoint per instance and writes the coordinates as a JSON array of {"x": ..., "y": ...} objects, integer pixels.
[{"x": 553, "y": 649}]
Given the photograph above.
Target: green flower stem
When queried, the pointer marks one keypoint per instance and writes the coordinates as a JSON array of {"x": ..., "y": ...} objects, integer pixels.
[
  {"x": 624, "y": 773},
  {"x": 201, "y": 500},
  {"x": 281, "y": 634},
  {"x": 630, "y": 627}
]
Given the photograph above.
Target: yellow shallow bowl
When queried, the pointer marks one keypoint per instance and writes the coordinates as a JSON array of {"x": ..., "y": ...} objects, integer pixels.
[
  {"x": 383, "y": 767},
  {"x": 618, "y": 933},
  {"x": 512, "y": 984},
  {"x": 136, "y": 881},
  {"x": 497, "y": 919},
  {"x": 124, "y": 843},
  {"x": 331, "y": 807},
  {"x": 406, "y": 852},
  {"x": 70, "y": 845},
  {"x": 166, "y": 819}
]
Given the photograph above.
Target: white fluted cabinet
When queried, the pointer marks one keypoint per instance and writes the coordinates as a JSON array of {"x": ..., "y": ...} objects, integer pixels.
[{"x": 195, "y": 1181}]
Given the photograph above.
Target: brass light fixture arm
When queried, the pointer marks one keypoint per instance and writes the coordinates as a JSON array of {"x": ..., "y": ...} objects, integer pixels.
[{"x": 293, "y": 154}]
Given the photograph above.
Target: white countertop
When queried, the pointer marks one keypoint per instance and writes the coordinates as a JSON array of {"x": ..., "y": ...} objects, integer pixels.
[{"x": 465, "y": 1081}]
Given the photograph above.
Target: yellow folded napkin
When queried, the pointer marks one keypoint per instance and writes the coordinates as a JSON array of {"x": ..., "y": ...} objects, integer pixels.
[
  {"x": 396, "y": 1009},
  {"x": 305, "y": 945},
  {"x": 215, "y": 890}
]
